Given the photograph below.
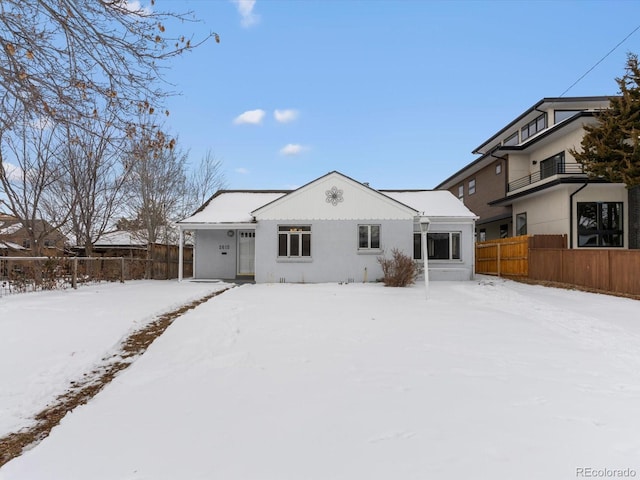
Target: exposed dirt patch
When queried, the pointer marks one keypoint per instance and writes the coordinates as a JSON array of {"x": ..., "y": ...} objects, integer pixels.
[
  {"x": 569, "y": 286},
  {"x": 81, "y": 391}
]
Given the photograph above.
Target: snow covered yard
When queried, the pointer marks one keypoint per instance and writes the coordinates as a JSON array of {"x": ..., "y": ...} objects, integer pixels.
[
  {"x": 48, "y": 339},
  {"x": 488, "y": 379}
]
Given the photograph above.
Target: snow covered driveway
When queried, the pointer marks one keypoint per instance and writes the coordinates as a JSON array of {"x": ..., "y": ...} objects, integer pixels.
[{"x": 488, "y": 379}]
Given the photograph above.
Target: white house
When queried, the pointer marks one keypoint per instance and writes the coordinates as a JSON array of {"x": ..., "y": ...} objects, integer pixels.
[{"x": 332, "y": 229}]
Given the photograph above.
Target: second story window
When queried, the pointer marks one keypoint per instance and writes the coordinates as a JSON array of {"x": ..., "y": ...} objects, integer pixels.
[
  {"x": 511, "y": 140},
  {"x": 533, "y": 127},
  {"x": 472, "y": 186},
  {"x": 552, "y": 166},
  {"x": 461, "y": 192}
]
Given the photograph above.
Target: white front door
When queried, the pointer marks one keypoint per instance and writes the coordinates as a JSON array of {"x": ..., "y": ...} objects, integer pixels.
[{"x": 246, "y": 252}]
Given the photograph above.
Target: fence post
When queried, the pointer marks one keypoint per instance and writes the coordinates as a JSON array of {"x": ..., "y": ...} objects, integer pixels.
[
  {"x": 499, "y": 260},
  {"x": 121, "y": 269},
  {"x": 74, "y": 273}
]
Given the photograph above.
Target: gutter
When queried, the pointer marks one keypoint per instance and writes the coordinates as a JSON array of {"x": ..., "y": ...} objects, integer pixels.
[{"x": 571, "y": 212}]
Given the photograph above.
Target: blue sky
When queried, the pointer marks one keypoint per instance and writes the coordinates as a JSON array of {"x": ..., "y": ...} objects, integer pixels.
[{"x": 394, "y": 93}]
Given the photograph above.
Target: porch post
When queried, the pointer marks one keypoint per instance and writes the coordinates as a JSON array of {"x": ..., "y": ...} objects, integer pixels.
[
  {"x": 180, "y": 252},
  {"x": 424, "y": 228}
]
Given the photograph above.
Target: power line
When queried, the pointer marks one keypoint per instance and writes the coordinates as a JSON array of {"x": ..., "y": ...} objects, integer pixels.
[{"x": 601, "y": 60}]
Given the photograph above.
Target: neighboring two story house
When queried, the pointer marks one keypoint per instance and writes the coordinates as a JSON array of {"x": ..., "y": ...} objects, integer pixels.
[
  {"x": 527, "y": 182},
  {"x": 13, "y": 233}
]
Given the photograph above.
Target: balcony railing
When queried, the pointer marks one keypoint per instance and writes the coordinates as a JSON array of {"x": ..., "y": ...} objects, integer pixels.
[{"x": 560, "y": 168}]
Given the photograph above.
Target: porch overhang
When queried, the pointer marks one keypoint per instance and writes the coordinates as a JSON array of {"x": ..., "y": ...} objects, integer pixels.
[{"x": 218, "y": 226}]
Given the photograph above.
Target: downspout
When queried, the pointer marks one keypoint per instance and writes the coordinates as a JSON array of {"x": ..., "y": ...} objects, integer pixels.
[{"x": 571, "y": 212}]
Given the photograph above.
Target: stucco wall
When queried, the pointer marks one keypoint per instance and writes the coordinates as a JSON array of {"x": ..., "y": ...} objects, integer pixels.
[
  {"x": 334, "y": 251},
  {"x": 215, "y": 254},
  {"x": 548, "y": 211},
  {"x": 335, "y": 256},
  {"x": 462, "y": 269}
]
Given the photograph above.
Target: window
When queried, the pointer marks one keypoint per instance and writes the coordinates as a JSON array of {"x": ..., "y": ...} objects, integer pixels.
[
  {"x": 533, "y": 127},
  {"x": 561, "y": 115},
  {"x": 600, "y": 224},
  {"x": 294, "y": 241},
  {"x": 498, "y": 168},
  {"x": 511, "y": 140},
  {"x": 483, "y": 235},
  {"x": 441, "y": 246},
  {"x": 472, "y": 186},
  {"x": 26, "y": 243},
  {"x": 504, "y": 230},
  {"x": 521, "y": 223},
  {"x": 461, "y": 192},
  {"x": 368, "y": 237},
  {"x": 552, "y": 166}
]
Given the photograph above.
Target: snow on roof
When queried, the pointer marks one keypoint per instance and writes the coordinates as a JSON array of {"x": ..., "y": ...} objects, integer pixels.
[
  {"x": 236, "y": 206},
  {"x": 434, "y": 203},
  {"x": 233, "y": 207},
  {"x": 10, "y": 246},
  {"x": 10, "y": 229},
  {"x": 121, "y": 237}
]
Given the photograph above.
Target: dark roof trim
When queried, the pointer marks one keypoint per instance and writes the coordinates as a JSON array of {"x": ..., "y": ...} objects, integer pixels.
[
  {"x": 535, "y": 107},
  {"x": 504, "y": 216},
  {"x": 545, "y": 133},
  {"x": 506, "y": 201},
  {"x": 519, "y": 148}
]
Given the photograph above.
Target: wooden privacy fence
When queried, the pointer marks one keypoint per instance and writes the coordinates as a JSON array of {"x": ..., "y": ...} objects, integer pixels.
[
  {"x": 616, "y": 271},
  {"x": 546, "y": 258},
  {"x": 510, "y": 256}
]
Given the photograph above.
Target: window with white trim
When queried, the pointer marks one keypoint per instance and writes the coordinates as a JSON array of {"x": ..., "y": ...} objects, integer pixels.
[
  {"x": 461, "y": 192},
  {"x": 368, "y": 237},
  {"x": 472, "y": 186},
  {"x": 294, "y": 241},
  {"x": 440, "y": 245}
]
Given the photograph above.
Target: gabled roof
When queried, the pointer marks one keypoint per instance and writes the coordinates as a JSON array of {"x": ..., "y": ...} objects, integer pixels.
[
  {"x": 338, "y": 176},
  {"x": 239, "y": 207}
]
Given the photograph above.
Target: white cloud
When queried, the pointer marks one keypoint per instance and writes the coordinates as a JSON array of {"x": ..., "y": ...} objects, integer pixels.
[
  {"x": 253, "y": 117},
  {"x": 242, "y": 171},
  {"x": 134, "y": 6},
  {"x": 285, "y": 116},
  {"x": 293, "y": 149},
  {"x": 14, "y": 173},
  {"x": 245, "y": 9}
]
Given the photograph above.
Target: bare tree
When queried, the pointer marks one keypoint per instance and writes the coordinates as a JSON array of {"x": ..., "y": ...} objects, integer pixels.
[
  {"x": 156, "y": 181},
  {"x": 29, "y": 167},
  {"x": 92, "y": 179},
  {"x": 67, "y": 59},
  {"x": 204, "y": 181}
]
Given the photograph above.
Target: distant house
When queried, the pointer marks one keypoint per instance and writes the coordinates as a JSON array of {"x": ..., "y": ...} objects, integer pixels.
[
  {"x": 13, "y": 232},
  {"x": 331, "y": 229},
  {"x": 527, "y": 182}
]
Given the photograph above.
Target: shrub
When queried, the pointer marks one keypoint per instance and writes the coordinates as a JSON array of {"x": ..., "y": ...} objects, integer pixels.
[{"x": 399, "y": 270}]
